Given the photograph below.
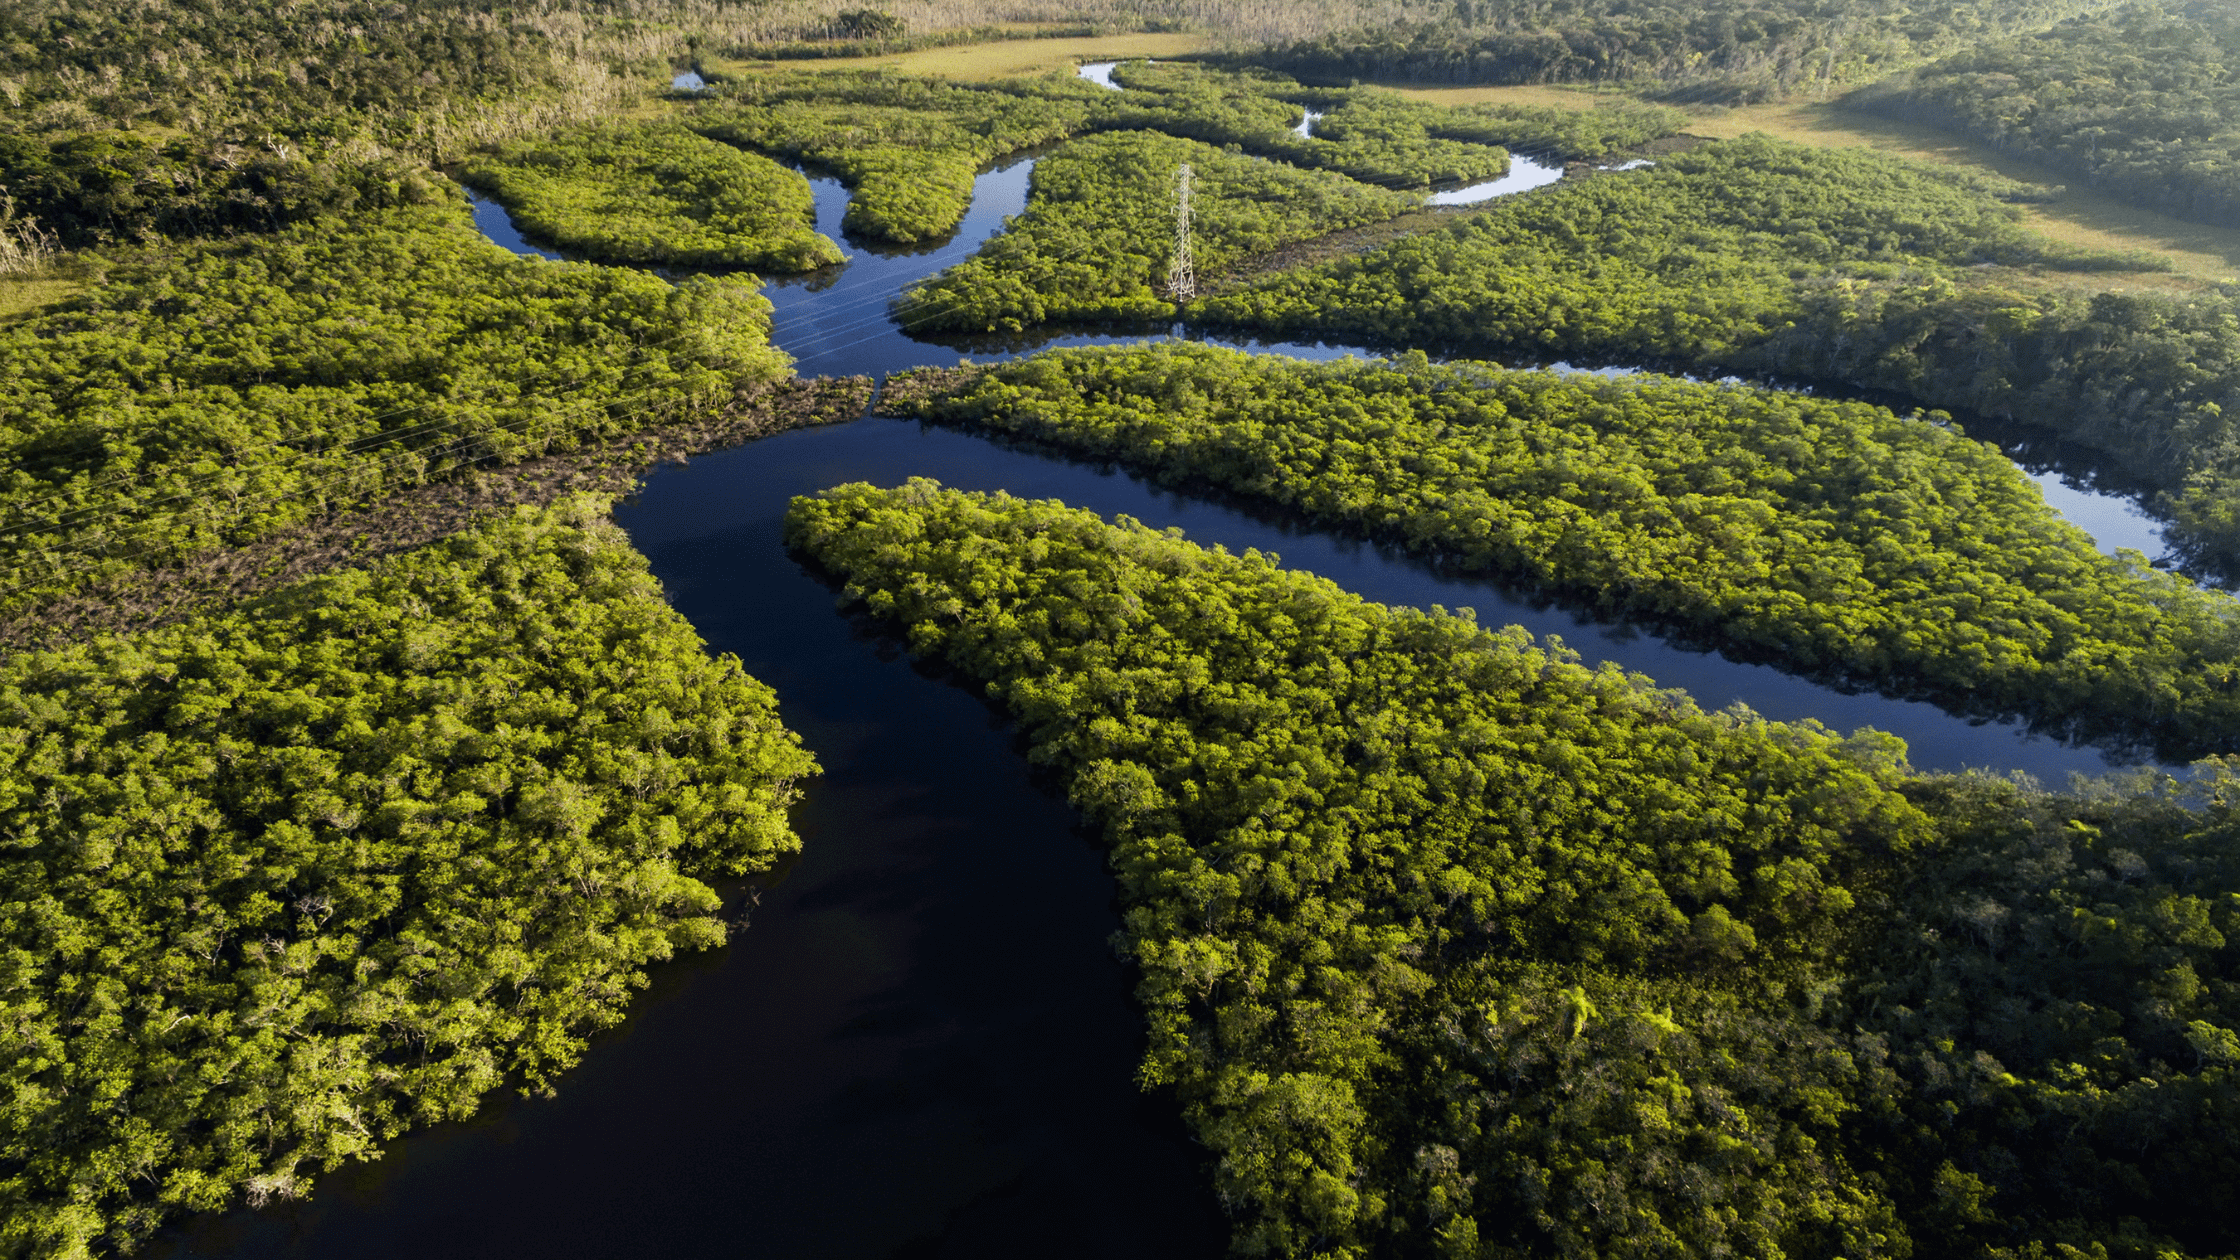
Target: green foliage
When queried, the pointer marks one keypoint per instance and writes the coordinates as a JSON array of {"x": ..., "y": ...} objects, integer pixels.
[
  {"x": 2142, "y": 103},
  {"x": 2148, "y": 378},
  {"x": 1696, "y": 259},
  {"x": 1373, "y": 136},
  {"x": 2063, "y": 980},
  {"x": 1836, "y": 538},
  {"x": 98, "y": 186},
  {"x": 282, "y": 883},
  {"x": 869, "y": 24},
  {"x": 1846, "y": 266},
  {"x": 1098, "y": 235},
  {"x": 826, "y": 49},
  {"x": 302, "y": 70},
  {"x": 1582, "y": 134},
  {"x": 204, "y": 395},
  {"x": 1729, "y": 52},
  {"x": 121, "y": 119},
  {"x": 1451, "y": 947},
  {"x": 1322, "y": 811},
  {"x": 908, "y": 147},
  {"x": 657, "y": 193}
]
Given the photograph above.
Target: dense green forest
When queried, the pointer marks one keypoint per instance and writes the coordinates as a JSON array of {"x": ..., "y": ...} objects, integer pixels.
[
  {"x": 1098, "y": 235},
  {"x": 1449, "y": 946},
  {"x": 120, "y": 119},
  {"x": 208, "y": 393},
  {"x": 1708, "y": 51},
  {"x": 283, "y": 882},
  {"x": 657, "y": 193},
  {"x": 2142, "y": 103},
  {"x": 1848, "y": 266},
  {"x": 1701, "y": 259},
  {"x": 1374, "y": 136},
  {"x": 909, "y": 146},
  {"x": 90, "y": 188},
  {"x": 321, "y": 67},
  {"x": 1453, "y": 947},
  {"x": 1836, "y": 538}
]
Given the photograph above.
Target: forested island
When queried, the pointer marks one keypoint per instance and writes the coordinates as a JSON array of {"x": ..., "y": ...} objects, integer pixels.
[
  {"x": 361, "y": 767},
  {"x": 1451, "y": 946}
]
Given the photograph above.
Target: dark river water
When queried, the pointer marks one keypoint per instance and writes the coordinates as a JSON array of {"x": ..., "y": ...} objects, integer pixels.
[{"x": 923, "y": 1047}]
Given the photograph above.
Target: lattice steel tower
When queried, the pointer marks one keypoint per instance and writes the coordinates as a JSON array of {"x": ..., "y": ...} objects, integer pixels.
[{"x": 1182, "y": 282}]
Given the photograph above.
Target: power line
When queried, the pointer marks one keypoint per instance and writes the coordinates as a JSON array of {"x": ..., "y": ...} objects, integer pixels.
[
  {"x": 1182, "y": 280},
  {"x": 1182, "y": 284}
]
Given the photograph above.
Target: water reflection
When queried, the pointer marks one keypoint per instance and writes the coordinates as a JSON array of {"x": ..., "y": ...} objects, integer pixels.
[
  {"x": 1525, "y": 174},
  {"x": 494, "y": 222},
  {"x": 2112, "y": 520},
  {"x": 840, "y": 321},
  {"x": 923, "y": 1047}
]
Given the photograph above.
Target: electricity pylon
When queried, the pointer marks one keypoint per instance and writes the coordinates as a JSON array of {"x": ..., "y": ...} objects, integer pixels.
[{"x": 1182, "y": 282}]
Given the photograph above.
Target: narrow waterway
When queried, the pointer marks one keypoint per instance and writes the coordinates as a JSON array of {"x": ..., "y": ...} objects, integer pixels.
[
  {"x": 923, "y": 1047},
  {"x": 1525, "y": 174}
]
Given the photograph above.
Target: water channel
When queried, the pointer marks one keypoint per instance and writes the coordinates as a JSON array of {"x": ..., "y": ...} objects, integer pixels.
[{"x": 923, "y": 1047}]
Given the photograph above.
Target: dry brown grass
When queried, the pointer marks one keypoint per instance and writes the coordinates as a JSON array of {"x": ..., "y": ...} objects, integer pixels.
[{"x": 1009, "y": 59}]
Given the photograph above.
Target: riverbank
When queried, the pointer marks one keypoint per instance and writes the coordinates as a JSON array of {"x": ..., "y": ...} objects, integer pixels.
[
  {"x": 424, "y": 514},
  {"x": 928, "y": 1004},
  {"x": 2199, "y": 254}
]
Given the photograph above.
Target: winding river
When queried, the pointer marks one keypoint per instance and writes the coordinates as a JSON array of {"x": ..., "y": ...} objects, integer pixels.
[{"x": 924, "y": 1046}]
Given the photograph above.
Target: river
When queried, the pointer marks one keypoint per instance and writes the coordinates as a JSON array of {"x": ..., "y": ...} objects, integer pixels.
[{"x": 923, "y": 1047}]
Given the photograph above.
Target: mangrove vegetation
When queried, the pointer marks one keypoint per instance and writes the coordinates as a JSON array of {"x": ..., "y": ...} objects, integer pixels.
[
  {"x": 1845, "y": 266},
  {"x": 657, "y": 193},
  {"x": 1452, "y": 947},
  {"x": 2142, "y": 103},
  {"x": 1097, "y": 241},
  {"x": 282, "y": 882},
  {"x": 1836, "y": 538},
  {"x": 1447, "y": 946},
  {"x": 205, "y": 394}
]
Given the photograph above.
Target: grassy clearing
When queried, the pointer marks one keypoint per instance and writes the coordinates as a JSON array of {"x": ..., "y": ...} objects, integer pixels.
[
  {"x": 1523, "y": 94},
  {"x": 2082, "y": 217},
  {"x": 1004, "y": 60},
  {"x": 21, "y": 297}
]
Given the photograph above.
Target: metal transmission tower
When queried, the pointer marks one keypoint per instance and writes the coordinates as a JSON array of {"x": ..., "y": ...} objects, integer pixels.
[{"x": 1182, "y": 282}]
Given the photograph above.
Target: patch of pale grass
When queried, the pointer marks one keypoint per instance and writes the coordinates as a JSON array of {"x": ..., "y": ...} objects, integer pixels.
[
  {"x": 19, "y": 297},
  {"x": 2081, "y": 217},
  {"x": 1523, "y": 94},
  {"x": 1004, "y": 60}
]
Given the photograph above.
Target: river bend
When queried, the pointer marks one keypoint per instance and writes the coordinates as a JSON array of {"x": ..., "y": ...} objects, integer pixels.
[{"x": 924, "y": 1046}]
